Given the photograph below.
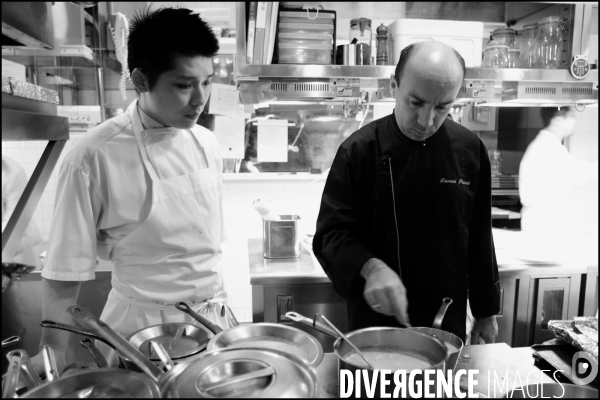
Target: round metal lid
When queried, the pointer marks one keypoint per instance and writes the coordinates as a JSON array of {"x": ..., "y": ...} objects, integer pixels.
[
  {"x": 277, "y": 337},
  {"x": 220, "y": 374},
  {"x": 504, "y": 31}
]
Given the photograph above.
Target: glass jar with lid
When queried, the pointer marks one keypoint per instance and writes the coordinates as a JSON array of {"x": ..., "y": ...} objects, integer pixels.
[
  {"x": 360, "y": 28},
  {"x": 504, "y": 36},
  {"x": 549, "y": 43},
  {"x": 513, "y": 58},
  {"x": 528, "y": 45},
  {"x": 495, "y": 56}
]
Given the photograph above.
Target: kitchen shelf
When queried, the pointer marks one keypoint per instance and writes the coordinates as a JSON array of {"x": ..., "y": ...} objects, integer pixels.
[{"x": 255, "y": 71}]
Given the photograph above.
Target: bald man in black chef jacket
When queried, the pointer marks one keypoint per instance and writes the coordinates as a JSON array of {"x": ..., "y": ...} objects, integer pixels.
[{"x": 405, "y": 217}]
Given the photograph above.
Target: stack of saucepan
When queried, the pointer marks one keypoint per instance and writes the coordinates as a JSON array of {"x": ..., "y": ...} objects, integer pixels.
[{"x": 186, "y": 360}]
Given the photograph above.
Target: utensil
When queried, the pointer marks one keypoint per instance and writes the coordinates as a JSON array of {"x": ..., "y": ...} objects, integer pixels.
[
  {"x": 98, "y": 357},
  {"x": 214, "y": 328},
  {"x": 439, "y": 317},
  {"x": 10, "y": 341},
  {"x": 27, "y": 373},
  {"x": 242, "y": 378},
  {"x": 347, "y": 341},
  {"x": 74, "y": 329},
  {"x": 553, "y": 390},
  {"x": 162, "y": 353},
  {"x": 50, "y": 364},
  {"x": 100, "y": 328},
  {"x": 231, "y": 317},
  {"x": 12, "y": 376},
  {"x": 178, "y": 335}
]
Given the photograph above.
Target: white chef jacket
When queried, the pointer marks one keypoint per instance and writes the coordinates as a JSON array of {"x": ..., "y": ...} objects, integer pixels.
[
  {"x": 546, "y": 174},
  {"x": 103, "y": 193}
]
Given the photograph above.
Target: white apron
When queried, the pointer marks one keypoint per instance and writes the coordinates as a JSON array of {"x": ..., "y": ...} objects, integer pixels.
[{"x": 174, "y": 255}]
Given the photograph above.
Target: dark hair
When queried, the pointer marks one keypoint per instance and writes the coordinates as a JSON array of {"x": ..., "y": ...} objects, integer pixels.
[
  {"x": 406, "y": 53},
  {"x": 157, "y": 36},
  {"x": 548, "y": 113}
]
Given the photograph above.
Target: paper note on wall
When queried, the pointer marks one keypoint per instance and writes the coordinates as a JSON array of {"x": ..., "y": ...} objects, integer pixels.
[
  {"x": 230, "y": 134},
  {"x": 225, "y": 100},
  {"x": 272, "y": 141}
]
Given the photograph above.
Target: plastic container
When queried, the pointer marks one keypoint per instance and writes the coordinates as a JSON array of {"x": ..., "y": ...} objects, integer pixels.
[
  {"x": 295, "y": 53},
  {"x": 495, "y": 56},
  {"x": 281, "y": 238},
  {"x": 464, "y": 36},
  {"x": 549, "y": 43}
]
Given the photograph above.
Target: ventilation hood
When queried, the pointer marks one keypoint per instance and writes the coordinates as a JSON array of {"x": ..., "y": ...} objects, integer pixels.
[{"x": 27, "y": 25}]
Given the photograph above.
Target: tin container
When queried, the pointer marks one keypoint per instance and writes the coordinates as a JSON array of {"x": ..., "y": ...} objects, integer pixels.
[
  {"x": 281, "y": 238},
  {"x": 346, "y": 54}
]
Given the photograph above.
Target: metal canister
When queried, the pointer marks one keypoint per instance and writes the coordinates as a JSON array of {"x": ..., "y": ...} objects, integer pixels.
[
  {"x": 363, "y": 54},
  {"x": 281, "y": 238},
  {"x": 345, "y": 54}
]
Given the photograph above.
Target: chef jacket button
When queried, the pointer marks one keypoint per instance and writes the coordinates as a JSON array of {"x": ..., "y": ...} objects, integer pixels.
[{"x": 423, "y": 144}]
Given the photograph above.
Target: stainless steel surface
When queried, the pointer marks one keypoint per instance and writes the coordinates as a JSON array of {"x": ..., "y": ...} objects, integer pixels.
[
  {"x": 439, "y": 317},
  {"x": 214, "y": 328},
  {"x": 195, "y": 338},
  {"x": 75, "y": 329},
  {"x": 180, "y": 332},
  {"x": 345, "y": 54},
  {"x": 590, "y": 305},
  {"x": 261, "y": 373},
  {"x": 312, "y": 323},
  {"x": 9, "y": 384},
  {"x": 27, "y": 373},
  {"x": 553, "y": 390},
  {"x": 50, "y": 364},
  {"x": 100, "y": 91},
  {"x": 25, "y": 126},
  {"x": 281, "y": 239},
  {"x": 270, "y": 336},
  {"x": 111, "y": 382},
  {"x": 356, "y": 349},
  {"x": 10, "y": 341},
  {"x": 446, "y": 338},
  {"x": 28, "y": 24},
  {"x": 16, "y": 103},
  {"x": 88, "y": 320},
  {"x": 231, "y": 316},
  {"x": 158, "y": 349},
  {"x": 293, "y": 377},
  {"x": 98, "y": 357}
]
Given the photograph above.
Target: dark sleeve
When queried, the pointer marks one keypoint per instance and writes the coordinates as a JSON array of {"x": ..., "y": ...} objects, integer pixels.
[
  {"x": 338, "y": 243},
  {"x": 484, "y": 285}
]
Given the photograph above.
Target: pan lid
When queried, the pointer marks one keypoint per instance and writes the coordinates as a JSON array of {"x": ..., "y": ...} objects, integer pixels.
[{"x": 241, "y": 373}]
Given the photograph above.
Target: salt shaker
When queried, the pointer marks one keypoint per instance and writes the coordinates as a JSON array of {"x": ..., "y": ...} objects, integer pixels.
[{"x": 382, "y": 54}]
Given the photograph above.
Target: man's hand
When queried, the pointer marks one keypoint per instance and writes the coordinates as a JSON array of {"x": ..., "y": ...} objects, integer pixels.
[
  {"x": 484, "y": 328},
  {"x": 384, "y": 290}
]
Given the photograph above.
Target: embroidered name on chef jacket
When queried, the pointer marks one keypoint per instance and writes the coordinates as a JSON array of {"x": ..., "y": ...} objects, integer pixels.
[{"x": 460, "y": 181}]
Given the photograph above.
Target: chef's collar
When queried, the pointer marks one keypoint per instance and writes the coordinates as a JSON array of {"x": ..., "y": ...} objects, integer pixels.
[
  {"x": 147, "y": 121},
  {"x": 547, "y": 135}
]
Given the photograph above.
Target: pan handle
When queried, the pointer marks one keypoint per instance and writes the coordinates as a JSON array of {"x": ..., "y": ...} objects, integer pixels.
[
  {"x": 98, "y": 357},
  {"x": 100, "y": 328},
  {"x": 232, "y": 319},
  {"x": 214, "y": 328},
  {"x": 9, "y": 385},
  {"x": 437, "y": 322},
  {"x": 74, "y": 329},
  {"x": 28, "y": 374},
  {"x": 312, "y": 323},
  {"x": 50, "y": 364},
  {"x": 160, "y": 351},
  {"x": 10, "y": 341}
]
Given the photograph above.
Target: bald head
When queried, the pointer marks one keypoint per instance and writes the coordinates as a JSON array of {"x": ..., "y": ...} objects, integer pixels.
[{"x": 431, "y": 60}]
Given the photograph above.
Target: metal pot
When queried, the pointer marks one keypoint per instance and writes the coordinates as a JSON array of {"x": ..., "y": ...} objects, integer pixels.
[
  {"x": 262, "y": 336},
  {"x": 394, "y": 341},
  {"x": 450, "y": 340},
  {"x": 216, "y": 374}
]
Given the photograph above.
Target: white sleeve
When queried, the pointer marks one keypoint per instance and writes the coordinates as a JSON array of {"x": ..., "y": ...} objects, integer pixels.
[
  {"x": 581, "y": 172},
  {"x": 71, "y": 254}
]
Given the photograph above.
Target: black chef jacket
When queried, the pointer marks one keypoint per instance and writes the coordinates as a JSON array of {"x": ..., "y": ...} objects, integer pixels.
[{"x": 428, "y": 203}]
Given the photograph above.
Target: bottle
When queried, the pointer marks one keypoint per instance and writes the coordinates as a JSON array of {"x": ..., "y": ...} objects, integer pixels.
[
  {"x": 549, "y": 43},
  {"x": 382, "y": 56}
]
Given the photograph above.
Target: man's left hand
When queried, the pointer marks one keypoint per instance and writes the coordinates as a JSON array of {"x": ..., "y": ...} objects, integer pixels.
[{"x": 484, "y": 328}]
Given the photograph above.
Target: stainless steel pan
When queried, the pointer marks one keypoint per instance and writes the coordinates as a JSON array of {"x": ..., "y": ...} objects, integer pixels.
[{"x": 261, "y": 336}]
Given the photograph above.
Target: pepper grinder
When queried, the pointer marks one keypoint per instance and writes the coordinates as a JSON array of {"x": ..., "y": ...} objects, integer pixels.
[{"x": 382, "y": 53}]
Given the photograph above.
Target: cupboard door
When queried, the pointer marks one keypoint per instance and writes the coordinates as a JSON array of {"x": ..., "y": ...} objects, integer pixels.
[{"x": 552, "y": 304}]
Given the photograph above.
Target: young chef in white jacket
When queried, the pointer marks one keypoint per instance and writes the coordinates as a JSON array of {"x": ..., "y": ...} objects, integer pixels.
[
  {"x": 144, "y": 190},
  {"x": 546, "y": 174}
]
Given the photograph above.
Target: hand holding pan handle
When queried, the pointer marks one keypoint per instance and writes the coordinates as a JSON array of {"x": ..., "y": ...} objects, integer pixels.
[
  {"x": 437, "y": 322},
  {"x": 214, "y": 328}
]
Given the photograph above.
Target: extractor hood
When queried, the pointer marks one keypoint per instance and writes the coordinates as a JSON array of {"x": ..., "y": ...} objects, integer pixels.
[
  {"x": 27, "y": 24},
  {"x": 68, "y": 32}
]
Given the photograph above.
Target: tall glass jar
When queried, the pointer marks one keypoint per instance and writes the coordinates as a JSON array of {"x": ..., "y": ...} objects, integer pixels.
[
  {"x": 528, "y": 45},
  {"x": 495, "y": 56},
  {"x": 360, "y": 28},
  {"x": 549, "y": 43},
  {"x": 504, "y": 36},
  {"x": 513, "y": 58}
]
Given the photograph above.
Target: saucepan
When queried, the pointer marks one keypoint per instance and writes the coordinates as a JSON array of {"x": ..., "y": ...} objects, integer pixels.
[
  {"x": 385, "y": 348},
  {"x": 261, "y": 335},
  {"x": 224, "y": 373}
]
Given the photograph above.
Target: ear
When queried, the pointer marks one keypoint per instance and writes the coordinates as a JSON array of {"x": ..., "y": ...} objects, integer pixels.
[
  {"x": 393, "y": 85},
  {"x": 140, "y": 81}
]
